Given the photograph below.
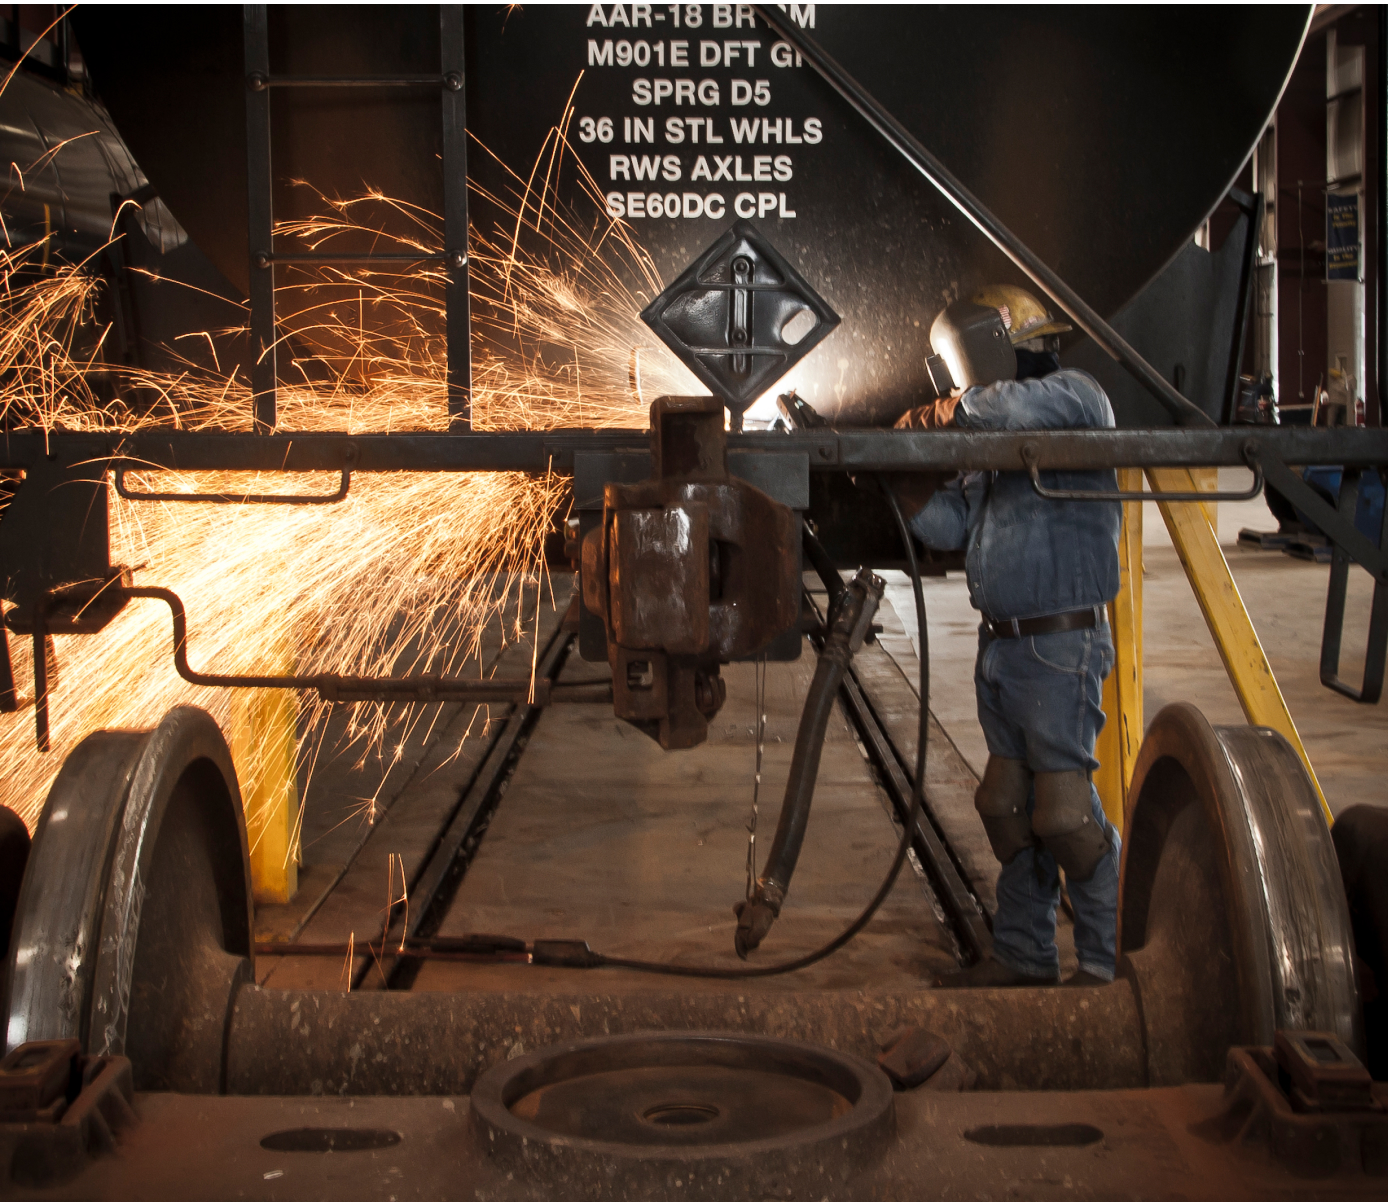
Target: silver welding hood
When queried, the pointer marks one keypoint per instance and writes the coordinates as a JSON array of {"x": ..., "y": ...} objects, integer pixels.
[{"x": 972, "y": 347}]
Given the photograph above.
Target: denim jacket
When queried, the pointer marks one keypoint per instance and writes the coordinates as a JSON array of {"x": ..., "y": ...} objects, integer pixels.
[{"x": 1027, "y": 556}]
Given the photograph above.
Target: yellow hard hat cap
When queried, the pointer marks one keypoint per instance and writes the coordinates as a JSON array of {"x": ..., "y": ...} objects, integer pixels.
[{"x": 1023, "y": 316}]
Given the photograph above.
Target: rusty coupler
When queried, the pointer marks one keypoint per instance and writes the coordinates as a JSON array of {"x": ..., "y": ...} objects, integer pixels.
[{"x": 689, "y": 570}]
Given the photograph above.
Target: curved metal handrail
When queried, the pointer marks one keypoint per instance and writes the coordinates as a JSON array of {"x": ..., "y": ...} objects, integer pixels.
[
  {"x": 223, "y": 498},
  {"x": 1031, "y": 456}
]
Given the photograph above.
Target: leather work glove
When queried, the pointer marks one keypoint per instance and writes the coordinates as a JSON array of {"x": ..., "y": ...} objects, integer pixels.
[
  {"x": 934, "y": 416},
  {"x": 913, "y": 490}
]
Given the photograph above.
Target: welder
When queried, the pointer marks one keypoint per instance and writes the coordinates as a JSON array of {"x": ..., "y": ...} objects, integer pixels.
[{"x": 1040, "y": 572}]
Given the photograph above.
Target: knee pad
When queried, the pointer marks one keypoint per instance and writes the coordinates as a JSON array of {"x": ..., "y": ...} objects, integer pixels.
[
  {"x": 1001, "y": 801},
  {"x": 1063, "y": 820}
]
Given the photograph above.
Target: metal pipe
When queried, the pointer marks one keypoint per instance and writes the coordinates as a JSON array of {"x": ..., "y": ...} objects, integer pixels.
[
  {"x": 1252, "y": 207},
  {"x": 398, "y": 1043},
  {"x": 1185, "y": 413},
  {"x": 346, "y": 688},
  {"x": 457, "y": 301}
]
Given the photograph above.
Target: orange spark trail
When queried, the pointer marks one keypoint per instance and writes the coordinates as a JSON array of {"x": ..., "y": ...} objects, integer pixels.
[{"x": 413, "y": 569}]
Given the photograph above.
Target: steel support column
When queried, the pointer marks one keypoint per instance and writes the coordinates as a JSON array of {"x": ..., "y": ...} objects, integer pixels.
[
  {"x": 455, "y": 241},
  {"x": 1121, "y": 737},
  {"x": 260, "y": 218}
]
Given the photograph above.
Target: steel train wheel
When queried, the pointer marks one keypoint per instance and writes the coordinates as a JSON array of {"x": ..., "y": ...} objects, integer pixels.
[
  {"x": 133, "y": 928},
  {"x": 1232, "y": 919},
  {"x": 14, "y": 852}
]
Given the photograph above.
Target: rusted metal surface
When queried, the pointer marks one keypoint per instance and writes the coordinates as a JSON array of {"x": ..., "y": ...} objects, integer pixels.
[
  {"x": 1137, "y": 1144},
  {"x": 35, "y": 1079},
  {"x": 1261, "y": 1119},
  {"x": 690, "y": 569},
  {"x": 302, "y": 1042},
  {"x": 59, "y": 1109},
  {"x": 913, "y": 1056},
  {"x": 730, "y": 1115},
  {"x": 1321, "y": 1073}
]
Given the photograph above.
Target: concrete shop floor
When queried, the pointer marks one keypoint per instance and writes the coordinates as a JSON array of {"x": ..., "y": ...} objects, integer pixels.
[
  {"x": 603, "y": 836},
  {"x": 1285, "y": 597}
]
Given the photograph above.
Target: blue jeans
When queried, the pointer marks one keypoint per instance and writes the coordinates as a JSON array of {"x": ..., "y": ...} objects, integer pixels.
[{"x": 1040, "y": 700}]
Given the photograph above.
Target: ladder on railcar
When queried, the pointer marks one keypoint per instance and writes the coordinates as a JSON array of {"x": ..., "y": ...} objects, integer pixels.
[{"x": 260, "y": 233}]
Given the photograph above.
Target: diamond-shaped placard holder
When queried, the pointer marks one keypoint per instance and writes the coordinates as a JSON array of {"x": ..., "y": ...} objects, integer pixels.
[{"x": 740, "y": 317}]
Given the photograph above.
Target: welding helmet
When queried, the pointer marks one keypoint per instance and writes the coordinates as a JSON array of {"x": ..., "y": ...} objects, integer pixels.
[
  {"x": 970, "y": 347},
  {"x": 1023, "y": 316}
]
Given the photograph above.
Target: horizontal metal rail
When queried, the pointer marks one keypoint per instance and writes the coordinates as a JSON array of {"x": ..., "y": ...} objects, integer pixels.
[
  {"x": 828, "y": 450},
  {"x": 422, "y": 688},
  {"x": 436, "y": 884},
  {"x": 309, "y": 258},
  {"x": 259, "y": 82}
]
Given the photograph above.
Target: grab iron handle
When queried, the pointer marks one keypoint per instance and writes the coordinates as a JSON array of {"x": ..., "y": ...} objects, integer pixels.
[
  {"x": 424, "y": 689},
  {"x": 223, "y": 498},
  {"x": 1030, "y": 455}
]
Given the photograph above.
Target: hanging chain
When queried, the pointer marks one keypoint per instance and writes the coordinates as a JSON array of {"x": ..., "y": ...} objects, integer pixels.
[{"x": 760, "y": 670}]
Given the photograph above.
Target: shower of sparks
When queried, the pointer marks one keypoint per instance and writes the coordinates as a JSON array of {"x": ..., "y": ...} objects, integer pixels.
[{"x": 412, "y": 570}]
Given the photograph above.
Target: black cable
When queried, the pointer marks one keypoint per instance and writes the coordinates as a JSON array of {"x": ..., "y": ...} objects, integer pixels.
[
  {"x": 822, "y": 564},
  {"x": 598, "y": 959}
]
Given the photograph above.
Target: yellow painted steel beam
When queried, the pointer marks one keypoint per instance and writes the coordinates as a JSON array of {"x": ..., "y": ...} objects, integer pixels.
[
  {"x": 1228, "y": 620},
  {"x": 1121, "y": 737},
  {"x": 1207, "y": 480},
  {"x": 263, "y": 747}
]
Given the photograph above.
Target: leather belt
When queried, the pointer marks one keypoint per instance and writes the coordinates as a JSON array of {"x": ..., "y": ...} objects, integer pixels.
[{"x": 1014, "y": 628}]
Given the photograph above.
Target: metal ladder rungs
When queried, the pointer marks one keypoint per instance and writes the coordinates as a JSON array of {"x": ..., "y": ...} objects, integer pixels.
[
  {"x": 422, "y": 257},
  {"x": 350, "y": 81},
  {"x": 260, "y": 211}
]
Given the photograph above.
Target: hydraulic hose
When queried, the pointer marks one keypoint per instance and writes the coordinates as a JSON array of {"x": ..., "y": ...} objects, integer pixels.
[
  {"x": 583, "y": 957},
  {"x": 823, "y": 565},
  {"x": 849, "y": 623}
]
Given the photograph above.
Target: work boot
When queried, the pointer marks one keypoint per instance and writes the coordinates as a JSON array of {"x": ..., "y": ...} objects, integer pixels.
[
  {"x": 989, "y": 974},
  {"x": 1086, "y": 980}
]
